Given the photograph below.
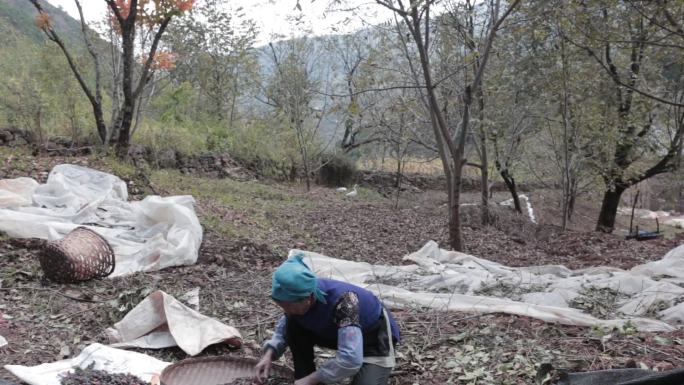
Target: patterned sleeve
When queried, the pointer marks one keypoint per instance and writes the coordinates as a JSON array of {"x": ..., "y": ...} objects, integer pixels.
[{"x": 347, "y": 310}]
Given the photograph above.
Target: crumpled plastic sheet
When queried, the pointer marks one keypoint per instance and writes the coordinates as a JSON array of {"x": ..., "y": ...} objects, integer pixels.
[
  {"x": 16, "y": 192},
  {"x": 147, "y": 235},
  {"x": 448, "y": 280},
  {"x": 105, "y": 358},
  {"x": 161, "y": 321}
]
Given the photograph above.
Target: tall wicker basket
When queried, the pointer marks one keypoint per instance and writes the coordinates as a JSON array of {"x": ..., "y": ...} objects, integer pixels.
[{"x": 80, "y": 256}]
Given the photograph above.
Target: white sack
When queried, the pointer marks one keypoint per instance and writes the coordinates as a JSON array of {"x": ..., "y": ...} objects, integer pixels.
[
  {"x": 448, "y": 280},
  {"x": 148, "y": 235},
  {"x": 161, "y": 321},
  {"x": 105, "y": 358}
]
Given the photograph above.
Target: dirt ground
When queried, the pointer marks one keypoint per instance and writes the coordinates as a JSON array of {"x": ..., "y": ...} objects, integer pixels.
[{"x": 249, "y": 228}]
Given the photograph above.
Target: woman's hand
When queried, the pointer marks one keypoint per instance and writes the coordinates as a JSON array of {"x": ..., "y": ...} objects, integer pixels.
[{"x": 263, "y": 367}]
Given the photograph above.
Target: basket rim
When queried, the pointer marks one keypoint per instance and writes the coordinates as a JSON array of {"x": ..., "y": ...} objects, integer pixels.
[
  {"x": 275, "y": 368},
  {"x": 57, "y": 246},
  {"x": 109, "y": 247},
  {"x": 106, "y": 244}
]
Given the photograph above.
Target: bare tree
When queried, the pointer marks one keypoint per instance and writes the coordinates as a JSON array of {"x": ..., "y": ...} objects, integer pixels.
[
  {"x": 290, "y": 91},
  {"x": 451, "y": 141},
  {"x": 129, "y": 17},
  {"x": 621, "y": 45}
]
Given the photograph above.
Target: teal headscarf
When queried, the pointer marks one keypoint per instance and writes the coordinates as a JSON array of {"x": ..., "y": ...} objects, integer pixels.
[{"x": 294, "y": 281}]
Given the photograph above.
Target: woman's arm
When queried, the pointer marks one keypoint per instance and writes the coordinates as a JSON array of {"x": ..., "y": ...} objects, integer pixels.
[{"x": 277, "y": 342}]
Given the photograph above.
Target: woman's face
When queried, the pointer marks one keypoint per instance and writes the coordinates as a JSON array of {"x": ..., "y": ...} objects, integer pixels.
[{"x": 298, "y": 307}]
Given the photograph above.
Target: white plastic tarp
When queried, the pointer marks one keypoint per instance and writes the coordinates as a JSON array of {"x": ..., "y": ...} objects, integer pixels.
[
  {"x": 146, "y": 235},
  {"x": 448, "y": 280},
  {"x": 161, "y": 321},
  {"x": 667, "y": 218},
  {"x": 103, "y": 357},
  {"x": 16, "y": 192},
  {"x": 528, "y": 205}
]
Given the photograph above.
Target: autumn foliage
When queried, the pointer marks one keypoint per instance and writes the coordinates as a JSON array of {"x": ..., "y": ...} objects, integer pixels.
[
  {"x": 43, "y": 21},
  {"x": 124, "y": 8},
  {"x": 163, "y": 60},
  {"x": 151, "y": 11}
]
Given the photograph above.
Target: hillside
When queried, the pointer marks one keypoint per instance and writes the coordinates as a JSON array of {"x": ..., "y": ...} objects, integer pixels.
[
  {"x": 249, "y": 227},
  {"x": 17, "y": 22}
]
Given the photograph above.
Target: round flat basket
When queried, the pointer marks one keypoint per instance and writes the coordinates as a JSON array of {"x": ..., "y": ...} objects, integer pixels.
[
  {"x": 217, "y": 370},
  {"x": 80, "y": 256}
]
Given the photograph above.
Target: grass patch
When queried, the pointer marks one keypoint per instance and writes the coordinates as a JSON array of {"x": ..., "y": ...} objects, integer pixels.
[
  {"x": 369, "y": 194},
  {"x": 18, "y": 160},
  {"x": 235, "y": 209},
  {"x": 412, "y": 165},
  {"x": 217, "y": 224},
  {"x": 232, "y": 194},
  {"x": 119, "y": 168}
]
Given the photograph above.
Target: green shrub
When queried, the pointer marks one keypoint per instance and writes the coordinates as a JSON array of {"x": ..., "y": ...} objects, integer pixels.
[{"x": 336, "y": 170}]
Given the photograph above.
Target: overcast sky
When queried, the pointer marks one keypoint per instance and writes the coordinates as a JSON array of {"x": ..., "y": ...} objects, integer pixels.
[{"x": 275, "y": 16}]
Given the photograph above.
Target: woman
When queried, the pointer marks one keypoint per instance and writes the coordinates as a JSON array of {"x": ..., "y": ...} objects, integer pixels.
[{"x": 332, "y": 314}]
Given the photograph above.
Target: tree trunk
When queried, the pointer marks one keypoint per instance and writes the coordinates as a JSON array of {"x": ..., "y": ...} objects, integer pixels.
[
  {"x": 455, "y": 235},
  {"x": 124, "y": 130},
  {"x": 307, "y": 176},
  {"x": 100, "y": 123},
  {"x": 397, "y": 180},
  {"x": 571, "y": 206},
  {"x": 484, "y": 162},
  {"x": 611, "y": 201},
  {"x": 397, "y": 183},
  {"x": 293, "y": 172},
  {"x": 233, "y": 101},
  {"x": 510, "y": 183},
  {"x": 485, "y": 195}
]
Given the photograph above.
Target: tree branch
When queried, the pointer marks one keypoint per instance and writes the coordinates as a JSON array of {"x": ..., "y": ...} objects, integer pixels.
[
  {"x": 115, "y": 10},
  {"x": 91, "y": 50},
  {"x": 150, "y": 57},
  {"x": 52, "y": 35},
  {"x": 369, "y": 90},
  {"x": 618, "y": 81}
]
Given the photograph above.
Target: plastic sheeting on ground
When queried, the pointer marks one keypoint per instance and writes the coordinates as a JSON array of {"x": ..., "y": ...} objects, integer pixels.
[
  {"x": 528, "y": 205},
  {"x": 146, "y": 235},
  {"x": 161, "y": 321},
  {"x": 667, "y": 218},
  {"x": 624, "y": 377},
  {"x": 3, "y": 341},
  {"x": 16, "y": 192},
  {"x": 649, "y": 296},
  {"x": 104, "y": 358}
]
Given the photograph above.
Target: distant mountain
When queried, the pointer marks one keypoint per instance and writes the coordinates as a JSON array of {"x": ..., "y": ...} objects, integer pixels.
[
  {"x": 17, "y": 21},
  {"x": 18, "y": 30}
]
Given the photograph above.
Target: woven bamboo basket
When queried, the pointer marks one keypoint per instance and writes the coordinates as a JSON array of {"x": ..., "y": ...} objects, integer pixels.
[
  {"x": 80, "y": 256},
  {"x": 216, "y": 370}
]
